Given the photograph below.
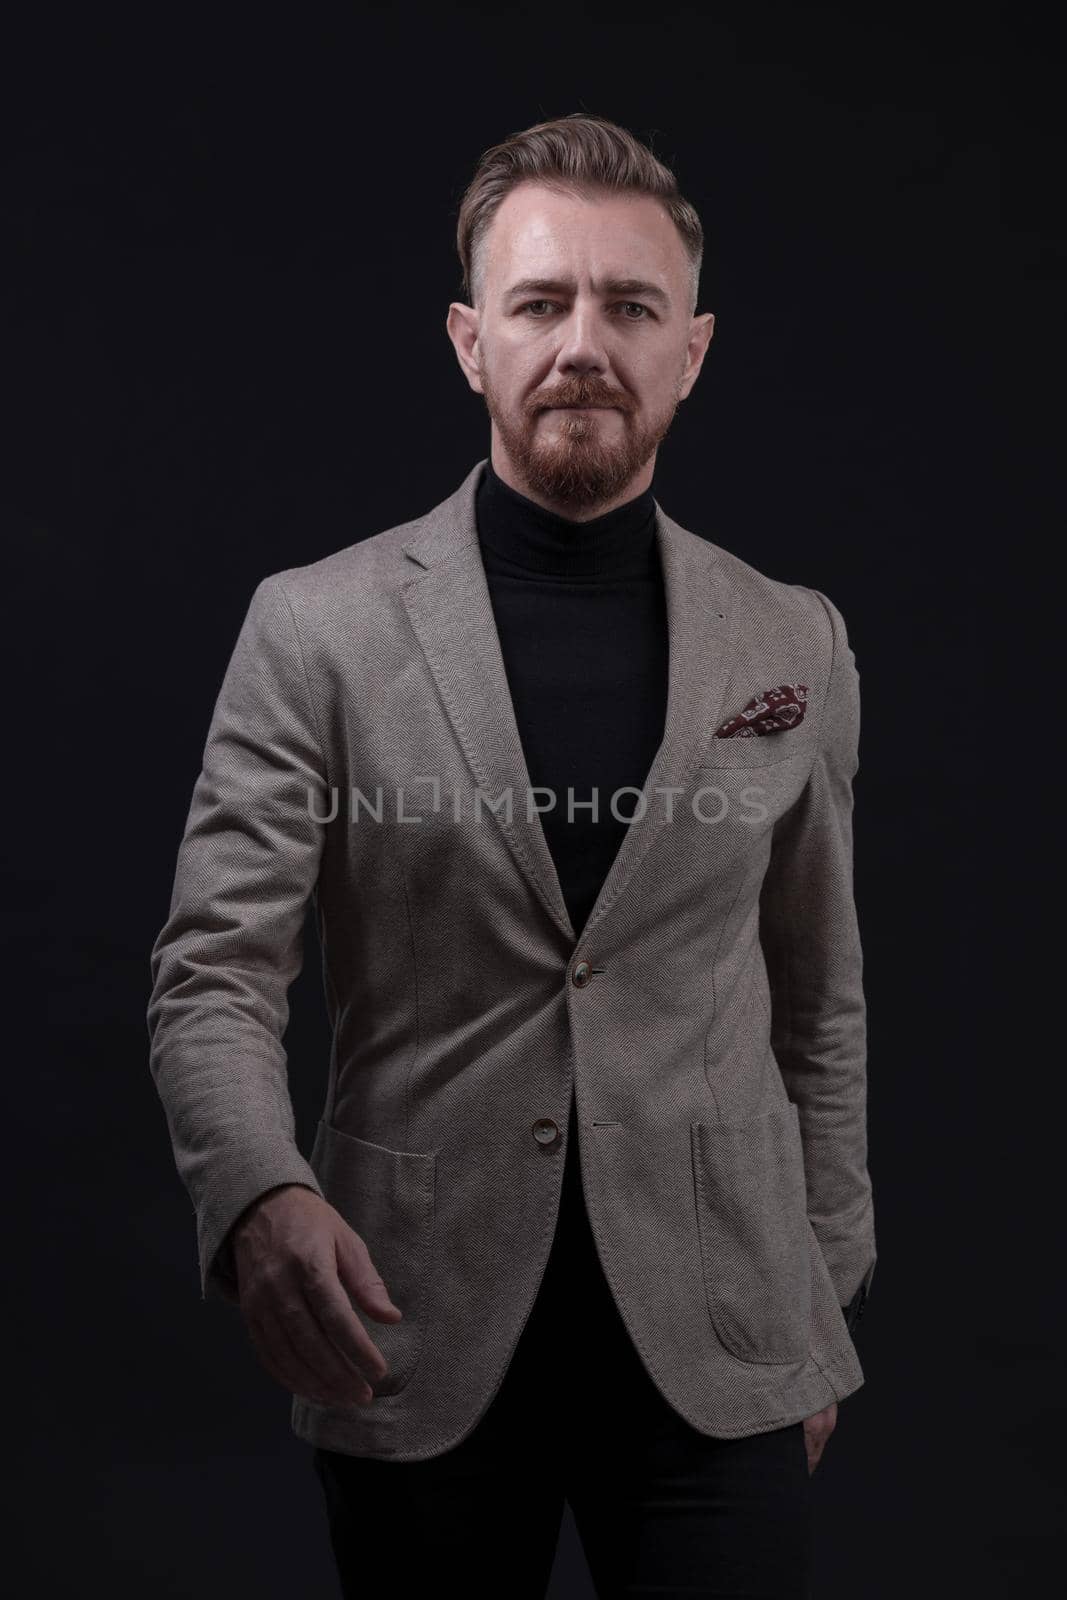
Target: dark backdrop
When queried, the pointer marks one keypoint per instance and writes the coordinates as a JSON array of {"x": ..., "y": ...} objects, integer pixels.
[{"x": 230, "y": 252}]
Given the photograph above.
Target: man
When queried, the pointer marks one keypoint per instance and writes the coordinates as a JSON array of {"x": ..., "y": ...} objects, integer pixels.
[{"x": 571, "y": 790}]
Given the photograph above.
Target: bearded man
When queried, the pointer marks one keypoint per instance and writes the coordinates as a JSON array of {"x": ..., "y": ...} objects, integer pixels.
[{"x": 588, "y": 1217}]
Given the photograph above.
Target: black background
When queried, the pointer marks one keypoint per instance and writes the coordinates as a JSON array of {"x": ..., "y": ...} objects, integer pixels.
[{"x": 230, "y": 251}]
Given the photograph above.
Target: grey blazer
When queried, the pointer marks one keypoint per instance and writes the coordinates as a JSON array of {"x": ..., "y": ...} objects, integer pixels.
[{"x": 363, "y": 754}]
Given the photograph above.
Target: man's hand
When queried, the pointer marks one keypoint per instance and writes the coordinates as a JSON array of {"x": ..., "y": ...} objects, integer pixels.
[
  {"x": 817, "y": 1430},
  {"x": 295, "y": 1257}
]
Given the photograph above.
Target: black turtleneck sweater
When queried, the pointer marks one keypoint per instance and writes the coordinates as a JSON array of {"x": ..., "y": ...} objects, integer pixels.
[
  {"x": 580, "y": 610},
  {"x": 581, "y": 615}
]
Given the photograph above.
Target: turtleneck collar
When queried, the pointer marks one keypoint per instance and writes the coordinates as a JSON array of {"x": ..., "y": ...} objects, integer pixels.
[{"x": 516, "y": 531}]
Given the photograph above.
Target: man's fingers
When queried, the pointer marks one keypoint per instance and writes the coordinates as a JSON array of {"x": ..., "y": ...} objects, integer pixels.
[
  {"x": 330, "y": 1305},
  {"x": 359, "y": 1275},
  {"x": 331, "y": 1370},
  {"x": 817, "y": 1430},
  {"x": 277, "y": 1353},
  {"x": 285, "y": 1359}
]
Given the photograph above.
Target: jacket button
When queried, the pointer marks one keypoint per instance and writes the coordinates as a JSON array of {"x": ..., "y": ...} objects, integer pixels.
[
  {"x": 582, "y": 974},
  {"x": 545, "y": 1131}
]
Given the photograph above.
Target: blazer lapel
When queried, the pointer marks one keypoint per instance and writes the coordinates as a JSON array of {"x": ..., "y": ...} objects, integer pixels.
[{"x": 451, "y": 612}]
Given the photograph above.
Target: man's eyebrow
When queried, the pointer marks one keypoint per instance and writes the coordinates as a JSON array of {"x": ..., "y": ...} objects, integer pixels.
[{"x": 629, "y": 286}]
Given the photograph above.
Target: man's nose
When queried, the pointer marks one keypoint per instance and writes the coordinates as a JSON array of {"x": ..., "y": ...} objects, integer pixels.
[{"x": 582, "y": 343}]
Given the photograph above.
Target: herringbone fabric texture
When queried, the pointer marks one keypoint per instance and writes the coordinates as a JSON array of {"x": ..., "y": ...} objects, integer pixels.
[{"x": 715, "y": 1043}]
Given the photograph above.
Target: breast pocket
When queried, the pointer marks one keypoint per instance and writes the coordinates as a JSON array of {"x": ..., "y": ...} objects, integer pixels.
[
  {"x": 388, "y": 1197},
  {"x": 761, "y": 750},
  {"x": 751, "y": 1207},
  {"x": 741, "y": 793}
]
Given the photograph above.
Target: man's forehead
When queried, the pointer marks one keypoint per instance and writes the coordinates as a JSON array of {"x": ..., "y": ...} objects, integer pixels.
[
  {"x": 531, "y": 210},
  {"x": 535, "y": 231}
]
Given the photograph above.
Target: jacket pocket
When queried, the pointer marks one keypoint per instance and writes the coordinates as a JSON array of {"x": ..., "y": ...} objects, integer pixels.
[
  {"x": 759, "y": 750},
  {"x": 751, "y": 1205},
  {"x": 388, "y": 1197}
]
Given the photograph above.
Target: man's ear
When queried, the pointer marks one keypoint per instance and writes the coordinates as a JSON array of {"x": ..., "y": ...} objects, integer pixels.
[
  {"x": 462, "y": 324},
  {"x": 700, "y": 332}
]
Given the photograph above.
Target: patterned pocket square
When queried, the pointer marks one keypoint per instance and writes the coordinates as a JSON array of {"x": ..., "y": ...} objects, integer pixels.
[{"x": 773, "y": 711}]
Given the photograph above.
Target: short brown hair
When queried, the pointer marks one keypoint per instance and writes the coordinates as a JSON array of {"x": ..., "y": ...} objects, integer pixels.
[{"x": 578, "y": 154}]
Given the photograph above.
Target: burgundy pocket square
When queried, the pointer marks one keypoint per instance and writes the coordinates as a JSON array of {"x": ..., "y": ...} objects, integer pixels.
[{"x": 772, "y": 711}]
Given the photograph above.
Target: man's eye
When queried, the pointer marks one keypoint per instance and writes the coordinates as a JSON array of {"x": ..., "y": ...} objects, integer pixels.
[{"x": 636, "y": 304}]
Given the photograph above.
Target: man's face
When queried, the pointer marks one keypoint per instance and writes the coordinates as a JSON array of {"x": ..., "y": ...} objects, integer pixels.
[{"x": 583, "y": 346}]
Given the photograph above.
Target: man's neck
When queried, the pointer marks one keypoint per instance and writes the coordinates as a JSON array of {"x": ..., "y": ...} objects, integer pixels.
[{"x": 520, "y": 536}]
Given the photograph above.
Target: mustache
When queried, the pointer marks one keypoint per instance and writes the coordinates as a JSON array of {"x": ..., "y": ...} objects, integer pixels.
[{"x": 571, "y": 397}]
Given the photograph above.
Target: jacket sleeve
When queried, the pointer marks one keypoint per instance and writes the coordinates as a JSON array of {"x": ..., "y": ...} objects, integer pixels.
[
  {"x": 811, "y": 943},
  {"x": 233, "y": 940}
]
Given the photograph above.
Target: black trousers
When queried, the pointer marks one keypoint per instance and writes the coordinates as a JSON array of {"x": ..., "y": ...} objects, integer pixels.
[{"x": 661, "y": 1509}]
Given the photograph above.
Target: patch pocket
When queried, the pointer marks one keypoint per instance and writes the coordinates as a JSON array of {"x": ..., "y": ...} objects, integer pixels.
[
  {"x": 751, "y": 1205},
  {"x": 388, "y": 1198}
]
